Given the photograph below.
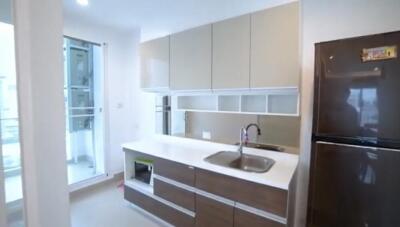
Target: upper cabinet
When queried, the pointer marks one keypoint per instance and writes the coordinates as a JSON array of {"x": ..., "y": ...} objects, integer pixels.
[
  {"x": 191, "y": 59},
  {"x": 154, "y": 64},
  {"x": 275, "y": 47},
  {"x": 258, "y": 50},
  {"x": 231, "y": 53}
]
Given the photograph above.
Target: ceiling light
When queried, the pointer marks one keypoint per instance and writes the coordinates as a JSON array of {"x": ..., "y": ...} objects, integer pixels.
[{"x": 83, "y": 2}]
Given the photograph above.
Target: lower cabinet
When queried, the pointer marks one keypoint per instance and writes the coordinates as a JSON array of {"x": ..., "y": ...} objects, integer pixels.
[
  {"x": 158, "y": 209},
  {"x": 180, "y": 197},
  {"x": 262, "y": 197},
  {"x": 211, "y": 213},
  {"x": 187, "y": 196},
  {"x": 245, "y": 219},
  {"x": 176, "y": 171}
]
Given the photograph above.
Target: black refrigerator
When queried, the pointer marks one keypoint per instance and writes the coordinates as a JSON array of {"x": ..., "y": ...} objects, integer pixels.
[{"x": 355, "y": 156}]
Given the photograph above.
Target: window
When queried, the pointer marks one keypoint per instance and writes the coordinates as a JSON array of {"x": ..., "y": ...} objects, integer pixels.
[{"x": 10, "y": 152}]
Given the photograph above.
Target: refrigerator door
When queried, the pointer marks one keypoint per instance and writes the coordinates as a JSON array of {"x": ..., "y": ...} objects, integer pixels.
[
  {"x": 355, "y": 98},
  {"x": 354, "y": 186}
]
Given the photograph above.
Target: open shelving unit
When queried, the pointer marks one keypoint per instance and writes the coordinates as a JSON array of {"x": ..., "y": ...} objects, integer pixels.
[
  {"x": 284, "y": 102},
  {"x": 229, "y": 103},
  {"x": 129, "y": 174},
  {"x": 145, "y": 188}
]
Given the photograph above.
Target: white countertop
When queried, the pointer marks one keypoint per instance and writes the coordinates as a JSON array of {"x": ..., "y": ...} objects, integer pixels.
[{"x": 192, "y": 152}]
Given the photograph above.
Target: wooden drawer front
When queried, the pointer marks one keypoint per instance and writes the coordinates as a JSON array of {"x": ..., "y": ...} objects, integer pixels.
[
  {"x": 157, "y": 208},
  {"x": 175, "y": 171},
  {"x": 259, "y": 196},
  {"x": 245, "y": 219},
  {"x": 179, "y": 196},
  {"x": 211, "y": 213}
]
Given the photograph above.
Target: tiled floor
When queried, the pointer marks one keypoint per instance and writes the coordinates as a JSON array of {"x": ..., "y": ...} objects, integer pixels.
[{"x": 104, "y": 206}]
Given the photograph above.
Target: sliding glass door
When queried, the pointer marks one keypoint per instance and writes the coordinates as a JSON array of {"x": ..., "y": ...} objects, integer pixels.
[
  {"x": 11, "y": 205},
  {"x": 84, "y": 106}
]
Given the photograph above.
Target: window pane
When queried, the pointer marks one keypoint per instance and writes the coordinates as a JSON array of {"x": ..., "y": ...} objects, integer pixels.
[
  {"x": 10, "y": 152},
  {"x": 83, "y": 102}
]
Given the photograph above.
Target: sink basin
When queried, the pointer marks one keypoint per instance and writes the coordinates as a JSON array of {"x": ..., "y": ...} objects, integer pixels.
[
  {"x": 264, "y": 146},
  {"x": 245, "y": 162}
]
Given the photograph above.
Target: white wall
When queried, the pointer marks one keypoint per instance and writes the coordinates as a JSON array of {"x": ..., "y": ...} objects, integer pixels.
[
  {"x": 129, "y": 112},
  {"x": 324, "y": 20}
]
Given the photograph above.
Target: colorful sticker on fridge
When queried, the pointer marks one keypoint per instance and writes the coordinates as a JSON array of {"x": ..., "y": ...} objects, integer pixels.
[{"x": 379, "y": 53}]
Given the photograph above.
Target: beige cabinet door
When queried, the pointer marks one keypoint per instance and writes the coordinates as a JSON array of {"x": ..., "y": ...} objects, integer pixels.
[
  {"x": 191, "y": 59},
  {"x": 231, "y": 53},
  {"x": 154, "y": 64},
  {"x": 275, "y": 47}
]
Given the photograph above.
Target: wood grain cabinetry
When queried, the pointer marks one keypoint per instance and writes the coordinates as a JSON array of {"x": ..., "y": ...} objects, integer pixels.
[
  {"x": 175, "y": 171},
  {"x": 154, "y": 64},
  {"x": 157, "y": 208},
  {"x": 245, "y": 219},
  {"x": 269, "y": 199},
  {"x": 274, "y": 50},
  {"x": 186, "y": 196},
  {"x": 212, "y": 213},
  {"x": 231, "y": 53},
  {"x": 191, "y": 59},
  {"x": 179, "y": 196}
]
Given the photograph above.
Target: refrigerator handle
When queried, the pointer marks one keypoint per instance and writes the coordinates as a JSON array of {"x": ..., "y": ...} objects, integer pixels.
[{"x": 357, "y": 146}]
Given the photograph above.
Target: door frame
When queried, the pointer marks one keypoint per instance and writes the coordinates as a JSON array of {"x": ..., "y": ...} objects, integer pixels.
[
  {"x": 3, "y": 211},
  {"x": 103, "y": 114}
]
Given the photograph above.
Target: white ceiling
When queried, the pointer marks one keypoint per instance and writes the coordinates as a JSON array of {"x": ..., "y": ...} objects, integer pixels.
[{"x": 157, "y": 18}]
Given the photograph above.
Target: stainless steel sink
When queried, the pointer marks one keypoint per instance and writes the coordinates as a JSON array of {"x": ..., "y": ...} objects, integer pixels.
[
  {"x": 245, "y": 162},
  {"x": 269, "y": 147}
]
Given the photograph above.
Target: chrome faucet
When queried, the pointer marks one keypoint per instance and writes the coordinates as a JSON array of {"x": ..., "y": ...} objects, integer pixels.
[
  {"x": 244, "y": 136},
  {"x": 255, "y": 125}
]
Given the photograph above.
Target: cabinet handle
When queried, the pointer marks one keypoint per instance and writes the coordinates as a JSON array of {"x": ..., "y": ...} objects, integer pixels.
[{"x": 190, "y": 167}]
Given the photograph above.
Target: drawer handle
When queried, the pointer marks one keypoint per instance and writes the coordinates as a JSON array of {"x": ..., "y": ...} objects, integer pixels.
[{"x": 190, "y": 167}]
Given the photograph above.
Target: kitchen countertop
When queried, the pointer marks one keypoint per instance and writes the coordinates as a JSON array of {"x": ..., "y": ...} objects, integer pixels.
[{"x": 192, "y": 152}]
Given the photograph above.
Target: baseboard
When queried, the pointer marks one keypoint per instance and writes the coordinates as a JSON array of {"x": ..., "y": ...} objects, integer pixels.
[
  {"x": 95, "y": 182},
  {"x": 119, "y": 175}
]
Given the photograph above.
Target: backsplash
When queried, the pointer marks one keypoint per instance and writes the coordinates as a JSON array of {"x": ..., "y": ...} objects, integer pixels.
[{"x": 225, "y": 128}]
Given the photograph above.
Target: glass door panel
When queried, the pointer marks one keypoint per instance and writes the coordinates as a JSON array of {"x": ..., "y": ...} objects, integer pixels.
[
  {"x": 11, "y": 204},
  {"x": 83, "y": 102}
]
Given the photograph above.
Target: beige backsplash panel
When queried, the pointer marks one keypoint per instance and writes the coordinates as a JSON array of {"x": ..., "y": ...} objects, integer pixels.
[
  {"x": 225, "y": 127},
  {"x": 280, "y": 130}
]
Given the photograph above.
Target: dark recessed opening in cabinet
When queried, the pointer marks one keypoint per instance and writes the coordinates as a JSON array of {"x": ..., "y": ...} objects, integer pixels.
[{"x": 144, "y": 170}]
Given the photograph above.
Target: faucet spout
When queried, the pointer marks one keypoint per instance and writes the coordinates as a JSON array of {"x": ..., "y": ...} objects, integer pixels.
[
  {"x": 243, "y": 139},
  {"x": 244, "y": 136},
  {"x": 255, "y": 125}
]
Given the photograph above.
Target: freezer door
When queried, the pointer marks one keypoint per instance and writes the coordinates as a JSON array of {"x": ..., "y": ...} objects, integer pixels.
[
  {"x": 356, "y": 98},
  {"x": 354, "y": 186}
]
